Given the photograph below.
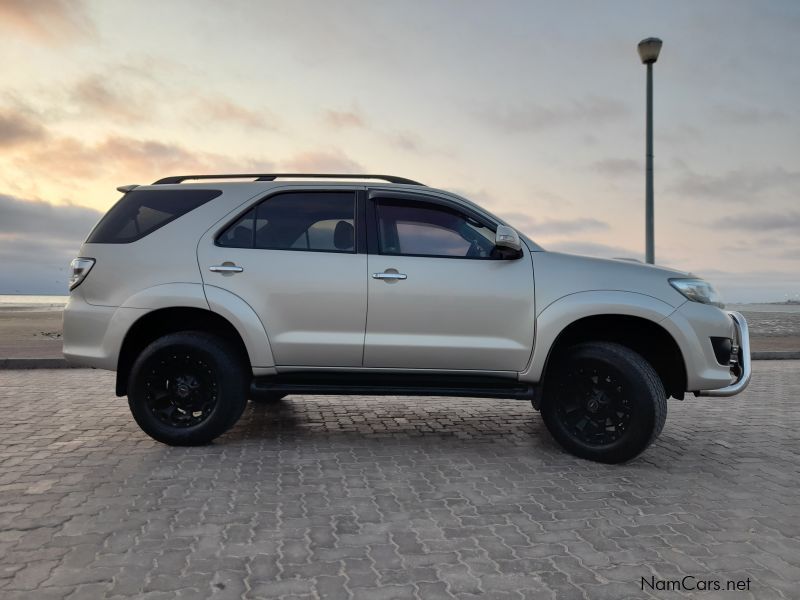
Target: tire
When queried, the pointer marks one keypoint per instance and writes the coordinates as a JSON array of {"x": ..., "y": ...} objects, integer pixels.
[
  {"x": 267, "y": 398},
  {"x": 604, "y": 402},
  {"x": 188, "y": 388}
]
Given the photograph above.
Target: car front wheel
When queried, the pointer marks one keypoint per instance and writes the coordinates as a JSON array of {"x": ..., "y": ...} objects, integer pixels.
[
  {"x": 188, "y": 388},
  {"x": 604, "y": 402}
]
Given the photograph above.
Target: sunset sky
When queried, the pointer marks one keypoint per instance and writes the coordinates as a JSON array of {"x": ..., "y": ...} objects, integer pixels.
[{"x": 533, "y": 109}]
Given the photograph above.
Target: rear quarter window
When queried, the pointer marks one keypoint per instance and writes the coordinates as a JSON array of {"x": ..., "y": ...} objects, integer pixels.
[{"x": 140, "y": 212}]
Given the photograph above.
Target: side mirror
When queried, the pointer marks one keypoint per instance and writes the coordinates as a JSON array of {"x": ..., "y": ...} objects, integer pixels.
[
  {"x": 507, "y": 244},
  {"x": 507, "y": 238}
]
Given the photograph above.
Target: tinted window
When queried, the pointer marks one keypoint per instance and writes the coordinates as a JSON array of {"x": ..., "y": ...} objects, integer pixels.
[
  {"x": 431, "y": 230},
  {"x": 322, "y": 235},
  {"x": 241, "y": 233},
  {"x": 141, "y": 212},
  {"x": 320, "y": 221}
]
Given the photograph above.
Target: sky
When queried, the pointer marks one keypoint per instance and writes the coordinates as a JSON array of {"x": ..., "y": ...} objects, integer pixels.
[{"x": 536, "y": 110}]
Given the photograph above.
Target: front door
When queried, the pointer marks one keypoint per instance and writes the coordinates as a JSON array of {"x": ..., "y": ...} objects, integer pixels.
[
  {"x": 440, "y": 297},
  {"x": 292, "y": 258}
]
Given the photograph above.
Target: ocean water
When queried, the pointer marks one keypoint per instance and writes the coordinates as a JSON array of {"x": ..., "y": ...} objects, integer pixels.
[
  {"x": 21, "y": 301},
  {"x": 793, "y": 307},
  {"x": 771, "y": 320}
]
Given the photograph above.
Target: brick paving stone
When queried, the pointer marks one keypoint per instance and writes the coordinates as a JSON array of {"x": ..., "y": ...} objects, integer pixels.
[{"x": 391, "y": 497}]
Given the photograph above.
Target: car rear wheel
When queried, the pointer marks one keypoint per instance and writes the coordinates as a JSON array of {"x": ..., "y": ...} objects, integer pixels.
[
  {"x": 604, "y": 402},
  {"x": 188, "y": 388}
]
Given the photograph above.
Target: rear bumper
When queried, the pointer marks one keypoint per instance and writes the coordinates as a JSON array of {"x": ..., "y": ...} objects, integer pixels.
[
  {"x": 93, "y": 334},
  {"x": 740, "y": 365},
  {"x": 85, "y": 327}
]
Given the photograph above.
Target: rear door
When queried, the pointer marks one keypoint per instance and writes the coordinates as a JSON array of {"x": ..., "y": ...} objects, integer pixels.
[
  {"x": 439, "y": 295},
  {"x": 293, "y": 258}
]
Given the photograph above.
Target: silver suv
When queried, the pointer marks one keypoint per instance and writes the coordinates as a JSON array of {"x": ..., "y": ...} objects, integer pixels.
[{"x": 202, "y": 291}]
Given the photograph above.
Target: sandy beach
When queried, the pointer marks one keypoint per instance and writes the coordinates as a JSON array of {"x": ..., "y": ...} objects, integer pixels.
[
  {"x": 33, "y": 332},
  {"x": 31, "y": 327}
]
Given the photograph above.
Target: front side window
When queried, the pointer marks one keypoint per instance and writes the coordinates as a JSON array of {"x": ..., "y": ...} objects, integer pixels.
[
  {"x": 316, "y": 221},
  {"x": 420, "y": 229}
]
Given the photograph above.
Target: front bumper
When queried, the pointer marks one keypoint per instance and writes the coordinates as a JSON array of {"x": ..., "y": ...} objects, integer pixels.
[{"x": 740, "y": 364}]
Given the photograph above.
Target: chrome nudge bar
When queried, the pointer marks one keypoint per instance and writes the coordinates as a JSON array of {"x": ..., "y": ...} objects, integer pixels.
[{"x": 743, "y": 335}]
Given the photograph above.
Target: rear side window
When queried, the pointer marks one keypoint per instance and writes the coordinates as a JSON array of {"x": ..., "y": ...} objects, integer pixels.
[
  {"x": 315, "y": 221},
  {"x": 141, "y": 212},
  {"x": 240, "y": 234}
]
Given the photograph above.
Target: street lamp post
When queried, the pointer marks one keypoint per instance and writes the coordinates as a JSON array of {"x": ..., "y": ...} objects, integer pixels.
[{"x": 648, "y": 52}]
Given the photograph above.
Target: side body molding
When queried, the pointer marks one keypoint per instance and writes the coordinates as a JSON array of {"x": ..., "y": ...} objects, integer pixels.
[
  {"x": 246, "y": 322},
  {"x": 558, "y": 315}
]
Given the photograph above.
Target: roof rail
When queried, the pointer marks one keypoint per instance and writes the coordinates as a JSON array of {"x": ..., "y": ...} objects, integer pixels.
[{"x": 274, "y": 176}]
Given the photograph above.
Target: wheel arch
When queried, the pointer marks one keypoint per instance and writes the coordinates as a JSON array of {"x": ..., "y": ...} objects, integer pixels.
[
  {"x": 157, "y": 323},
  {"x": 626, "y": 318}
]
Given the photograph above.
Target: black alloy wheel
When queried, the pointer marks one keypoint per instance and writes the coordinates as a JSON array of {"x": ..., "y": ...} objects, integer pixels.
[
  {"x": 188, "y": 388},
  {"x": 181, "y": 387},
  {"x": 603, "y": 401},
  {"x": 595, "y": 407}
]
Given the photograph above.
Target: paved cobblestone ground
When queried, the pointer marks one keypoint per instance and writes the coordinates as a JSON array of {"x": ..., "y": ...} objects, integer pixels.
[{"x": 432, "y": 498}]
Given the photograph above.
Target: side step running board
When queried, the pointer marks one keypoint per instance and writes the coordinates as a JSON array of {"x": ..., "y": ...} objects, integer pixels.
[{"x": 372, "y": 385}]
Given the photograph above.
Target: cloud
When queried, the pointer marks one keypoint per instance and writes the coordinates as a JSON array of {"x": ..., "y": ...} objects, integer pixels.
[
  {"x": 40, "y": 239},
  {"x": 760, "y": 221},
  {"x": 24, "y": 217},
  {"x": 69, "y": 157},
  {"x": 343, "y": 119},
  {"x": 681, "y": 134},
  {"x": 127, "y": 159},
  {"x": 594, "y": 249},
  {"x": 748, "y": 115},
  {"x": 547, "y": 227},
  {"x": 538, "y": 197},
  {"x": 614, "y": 167},
  {"x": 781, "y": 246},
  {"x": 147, "y": 155},
  {"x": 742, "y": 185},
  {"x": 323, "y": 161},
  {"x": 43, "y": 266},
  {"x": 408, "y": 142},
  {"x": 18, "y": 128},
  {"x": 765, "y": 285},
  {"x": 67, "y": 160},
  {"x": 97, "y": 95},
  {"x": 533, "y": 118},
  {"x": 51, "y": 21},
  {"x": 223, "y": 109}
]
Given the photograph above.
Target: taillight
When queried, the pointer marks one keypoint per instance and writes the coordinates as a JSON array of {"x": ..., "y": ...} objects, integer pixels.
[{"x": 79, "y": 269}]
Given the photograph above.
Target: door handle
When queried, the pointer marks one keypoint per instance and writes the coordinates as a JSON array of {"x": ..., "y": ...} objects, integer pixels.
[
  {"x": 389, "y": 276},
  {"x": 227, "y": 268}
]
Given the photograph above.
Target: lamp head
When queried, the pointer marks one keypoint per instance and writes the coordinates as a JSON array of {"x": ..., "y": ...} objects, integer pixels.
[{"x": 648, "y": 50}]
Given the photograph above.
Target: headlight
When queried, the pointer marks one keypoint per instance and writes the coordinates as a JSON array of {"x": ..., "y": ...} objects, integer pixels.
[
  {"x": 697, "y": 290},
  {"x": 79, "y": 269}
]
